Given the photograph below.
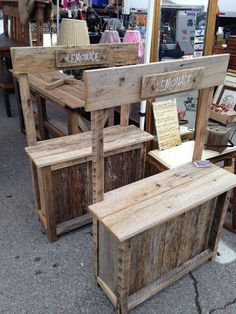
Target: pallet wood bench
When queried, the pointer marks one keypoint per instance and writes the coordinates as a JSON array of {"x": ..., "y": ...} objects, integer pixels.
[
  {"x": 153, "y": 232},
  {"x": 139, "y": 246},
  {"x": 61, "y": 168}
]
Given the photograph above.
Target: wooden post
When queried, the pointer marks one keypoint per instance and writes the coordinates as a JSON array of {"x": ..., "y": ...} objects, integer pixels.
[
  {"x": 39, "y": 23},
  {"x": 218, "y": 221},
  {"x": 27, "y": 109},
  {"x": 47, "y": 201},
  {"x": 208, "y": 41},
  {"x": 124, "y": 115},
  {"x": 111, "y": 116},
  {"x": 42, "y": 116},
  {"x": 97, "y": 175},
  {"x": 123, "y": 272},
  {"x": 154, "y": 57},
  {"x": 203, "y": 115},
  {"x": 72, "y": 122},
  {"x": 211, "y": 22}
]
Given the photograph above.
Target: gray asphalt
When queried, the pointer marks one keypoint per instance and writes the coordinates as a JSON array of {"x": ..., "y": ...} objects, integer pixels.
[{"x": 37, "y": 277}]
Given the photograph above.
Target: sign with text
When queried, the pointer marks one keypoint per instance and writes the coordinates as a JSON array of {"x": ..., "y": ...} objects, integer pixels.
[
  {"x": 166, "y": 123},
  {"x": 171, "y": 82},
  {"x": 67, "y": 58}
]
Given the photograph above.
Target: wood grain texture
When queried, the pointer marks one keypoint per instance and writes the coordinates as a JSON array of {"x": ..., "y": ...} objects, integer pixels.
[
  {"x": 97, "y": 155},
  {"x": 27, "y": 110},
  {"x": 126, "y": 219},
  {"x": 171, "y": 82},
  {"x": 124, "y": 115},
  {"x": 108, "y": 264},
  {"x": 47, "y": 201},
  {"x": 123, "y": 277},
  {"x": 203, "y": 115},
  {"x": 62, "y": 150},
  {"x": 34, "y": 59},
  {"x": 123, "y": 85},
  {"x": 218, "y": 221},
  {"x": 160, "y": 284}
]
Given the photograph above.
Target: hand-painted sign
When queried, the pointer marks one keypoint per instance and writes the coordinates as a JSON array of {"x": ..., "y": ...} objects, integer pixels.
[
  {"x": 83, "y": 56},
  {"x": 171, "y": 82}
]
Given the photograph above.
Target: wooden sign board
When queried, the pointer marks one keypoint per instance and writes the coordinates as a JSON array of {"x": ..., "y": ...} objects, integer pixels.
[
  {"x": 81, "y": 57},
  {"x": 171, "y": 82},
  {"x": 166, "y": 123}
]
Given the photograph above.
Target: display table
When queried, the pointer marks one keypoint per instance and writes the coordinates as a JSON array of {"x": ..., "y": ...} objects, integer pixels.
[{"x": 179, "y": 155}]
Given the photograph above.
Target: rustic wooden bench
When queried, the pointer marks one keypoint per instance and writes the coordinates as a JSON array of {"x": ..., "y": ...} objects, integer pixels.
[
  {"x": 61, "y": 168},
  {"x": 152, "y": 232}
]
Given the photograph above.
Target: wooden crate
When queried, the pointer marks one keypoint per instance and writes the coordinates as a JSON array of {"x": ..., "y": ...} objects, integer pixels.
[
  {"x": 152, "y": 232},
  {"x": 62, "y": 170}
]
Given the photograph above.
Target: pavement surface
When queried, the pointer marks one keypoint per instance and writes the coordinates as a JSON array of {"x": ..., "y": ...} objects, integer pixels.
[{"x": 38, "y": 277}]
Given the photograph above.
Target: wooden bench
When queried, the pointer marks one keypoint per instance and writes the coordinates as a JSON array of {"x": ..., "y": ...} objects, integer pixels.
[
  {"x": 152, "y": 232},
  {"x": 62, "y": 168}
]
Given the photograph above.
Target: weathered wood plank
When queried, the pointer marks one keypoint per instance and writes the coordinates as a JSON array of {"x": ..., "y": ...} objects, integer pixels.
[
  {"x": 203, "y": 115},
  {"x": 130, "y": 221},
  {"x": 42, "y": 59},
  {"x": 47, "y": 201},
  {"x": 123, "y": 85},
  {"x": 27, "y": 109},
  {"x": 218, "y": 221},
  {"x": 167, "y": 279},
  {"x": 98, "y": 155},
  {"x": 123, "y": 280},
  {"x": 171, "y": 82}
]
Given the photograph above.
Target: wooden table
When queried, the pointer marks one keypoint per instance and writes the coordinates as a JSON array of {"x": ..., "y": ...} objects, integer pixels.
[
  {"x": 155, "y": 231},
  {"x": 67, "y": 97}
]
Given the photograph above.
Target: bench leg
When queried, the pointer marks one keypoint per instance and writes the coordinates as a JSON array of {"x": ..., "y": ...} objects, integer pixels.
[{"x": 7, "y": 102}]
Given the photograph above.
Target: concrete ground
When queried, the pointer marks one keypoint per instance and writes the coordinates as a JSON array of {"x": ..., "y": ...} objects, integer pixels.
[{"x": 37, "y": 277}]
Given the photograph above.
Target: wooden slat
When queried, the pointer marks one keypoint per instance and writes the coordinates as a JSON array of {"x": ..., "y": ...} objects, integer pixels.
[
  {"x": 218, "y": 221},
  {"x": 66, "y": 96},
  {"x": 169, "y": 278},
  {"x": 34, "y": 60},
  {"x": 112, "y": 297},
  {"x": 123, "y": 278},
  {"x": 107, "y": 87},
  {"x": 203, "y": 115},
  {"x": 47, "y": 203},
  {"x": 124, "y": 115},
  {"x": 115, "y": 201},
  {"x": 77, "y": 146},
  {"x": 129, "y": 221},
  {"x": 98, "y": 155},
  {"x": 73, "y": 224},
  {"x": 27, "y": 109}
]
